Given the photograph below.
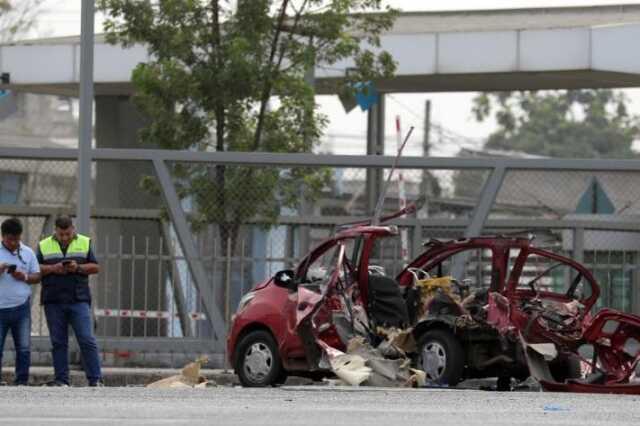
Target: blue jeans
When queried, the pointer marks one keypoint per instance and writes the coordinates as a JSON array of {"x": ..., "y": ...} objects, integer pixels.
[
  {"x": 18, "y": 320},
  {"x": 77, "y": 315}
]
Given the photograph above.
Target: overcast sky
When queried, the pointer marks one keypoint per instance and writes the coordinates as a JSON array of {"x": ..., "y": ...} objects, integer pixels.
[{"x": 451, "y": 110}]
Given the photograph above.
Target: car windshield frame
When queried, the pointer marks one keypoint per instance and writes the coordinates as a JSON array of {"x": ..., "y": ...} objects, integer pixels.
[
  {"x": 516, "y": 272},
  {"x": 349, "y": 234}
]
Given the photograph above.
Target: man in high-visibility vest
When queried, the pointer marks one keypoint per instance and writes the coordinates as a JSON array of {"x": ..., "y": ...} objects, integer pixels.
[{"x": 66, "y": 261}]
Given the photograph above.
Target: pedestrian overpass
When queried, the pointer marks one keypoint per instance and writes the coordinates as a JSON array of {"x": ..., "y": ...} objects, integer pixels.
[{"x": 551, "y": 48}]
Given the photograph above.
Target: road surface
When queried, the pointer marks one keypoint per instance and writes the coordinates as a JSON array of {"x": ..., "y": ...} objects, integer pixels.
[{"x": 309, "y": 406}]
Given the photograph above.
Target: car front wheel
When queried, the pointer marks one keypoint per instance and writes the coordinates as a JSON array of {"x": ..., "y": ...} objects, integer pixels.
[
  {"x": 258, "y": 363},
  {"x": 441, "y": 357}
]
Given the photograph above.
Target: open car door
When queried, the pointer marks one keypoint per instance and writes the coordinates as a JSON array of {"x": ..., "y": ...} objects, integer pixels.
[
  {"x": 554, "y": 324},
  {"x": 611, "y": 352}
]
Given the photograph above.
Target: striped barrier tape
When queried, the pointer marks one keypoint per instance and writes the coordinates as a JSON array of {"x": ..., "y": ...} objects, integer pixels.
[{"x": 129, "y": 313}]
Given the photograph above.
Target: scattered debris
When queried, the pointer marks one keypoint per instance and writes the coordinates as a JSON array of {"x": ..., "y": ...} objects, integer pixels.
[
  {"x": 189, "y": 378},
  {"x": 368, "y": 366},
  {"x": 397, "y": 343},
  {"x": 528, "y": 385}
]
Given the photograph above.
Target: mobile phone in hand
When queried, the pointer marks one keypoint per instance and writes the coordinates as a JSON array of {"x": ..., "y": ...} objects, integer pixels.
[
  {"x": 66, "y": 264},
  {"x": 11, "y": 269}
]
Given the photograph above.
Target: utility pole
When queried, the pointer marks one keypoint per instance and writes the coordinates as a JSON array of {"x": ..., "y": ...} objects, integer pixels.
[
  {"x": 426, "y": 143},
  {"x": 85, "y": 134},
  {"x": 425, "y": 187},
  {"x": 375, "y": 146}
]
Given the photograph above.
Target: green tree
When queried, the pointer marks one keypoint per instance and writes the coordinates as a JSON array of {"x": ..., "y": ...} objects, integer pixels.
[
  {"x": 565, "y": 124},
  {"x": 17, "y": 17},
  {"x": 574, "y": 123},
  {"x": 235, "y": 77}
]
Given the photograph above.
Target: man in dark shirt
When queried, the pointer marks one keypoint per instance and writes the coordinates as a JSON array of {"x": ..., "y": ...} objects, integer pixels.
[{"x": 66, "y": 261}]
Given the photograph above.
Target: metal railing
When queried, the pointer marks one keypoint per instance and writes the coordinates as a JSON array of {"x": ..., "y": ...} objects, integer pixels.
[{"x": 165, "y": 287}]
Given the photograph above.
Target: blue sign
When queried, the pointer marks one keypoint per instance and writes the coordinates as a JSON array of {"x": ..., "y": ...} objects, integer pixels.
[{"x": 366, "y": 95}]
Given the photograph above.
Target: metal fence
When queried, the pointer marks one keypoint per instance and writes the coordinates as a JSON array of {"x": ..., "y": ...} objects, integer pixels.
[{"x": 167, "y": 289}]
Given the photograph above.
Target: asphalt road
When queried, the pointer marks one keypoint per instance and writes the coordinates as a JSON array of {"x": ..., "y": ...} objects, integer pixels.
[{"x": 309, "y": 406}]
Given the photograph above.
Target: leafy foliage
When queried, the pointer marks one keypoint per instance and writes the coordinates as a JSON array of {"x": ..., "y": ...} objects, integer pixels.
[
  {"x": 228, "y": 78},
  {"x": 17, "y": 17},
  {"x": 565, "y": 124},
  {"x": 574, "y": 123}
]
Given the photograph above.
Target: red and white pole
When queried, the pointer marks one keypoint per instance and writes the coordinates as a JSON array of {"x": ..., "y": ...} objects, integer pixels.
[{"x": 402, "y": 197}]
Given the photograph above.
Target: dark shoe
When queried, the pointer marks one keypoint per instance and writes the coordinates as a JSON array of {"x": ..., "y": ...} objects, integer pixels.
[
  {"x": 55, "y": 383},
  {"x": 98, "y": 384},
  {"x": 21, "y": 384}
]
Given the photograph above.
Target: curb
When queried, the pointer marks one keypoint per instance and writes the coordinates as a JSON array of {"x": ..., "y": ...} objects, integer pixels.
[{"x": 119, "y": 377}]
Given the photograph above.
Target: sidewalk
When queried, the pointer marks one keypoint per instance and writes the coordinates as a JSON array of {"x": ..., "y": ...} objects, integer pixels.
[
  {"x": 114, "y": 376},
  {"x": 121, "y": 376}
]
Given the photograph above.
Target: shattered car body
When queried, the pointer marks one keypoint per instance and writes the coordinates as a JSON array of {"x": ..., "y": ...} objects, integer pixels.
[
  {"x": 517, "y": 327},
  {"x": 344, "y": 316}
]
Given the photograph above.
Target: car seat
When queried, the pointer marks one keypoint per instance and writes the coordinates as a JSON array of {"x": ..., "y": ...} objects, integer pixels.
[{"x": 387, "y": 307}]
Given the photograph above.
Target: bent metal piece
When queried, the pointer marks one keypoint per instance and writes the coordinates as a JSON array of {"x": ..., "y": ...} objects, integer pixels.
[{"x": 615, "y": 339}]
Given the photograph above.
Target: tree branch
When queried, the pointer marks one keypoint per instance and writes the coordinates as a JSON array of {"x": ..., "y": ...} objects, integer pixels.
[{"x": 268, "y": 84}]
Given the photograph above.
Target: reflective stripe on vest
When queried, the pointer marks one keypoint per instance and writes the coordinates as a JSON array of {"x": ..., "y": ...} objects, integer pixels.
[{"x": 51, "y": 250}]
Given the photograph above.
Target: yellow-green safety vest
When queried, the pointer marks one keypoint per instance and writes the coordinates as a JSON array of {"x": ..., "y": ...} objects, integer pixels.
[{"x": 70, "y": 288}]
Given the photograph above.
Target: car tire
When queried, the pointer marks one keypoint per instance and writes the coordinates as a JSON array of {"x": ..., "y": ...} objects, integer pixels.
[
  {"x": 258, "y": 362},
  {"x": 441, "y": 356}
]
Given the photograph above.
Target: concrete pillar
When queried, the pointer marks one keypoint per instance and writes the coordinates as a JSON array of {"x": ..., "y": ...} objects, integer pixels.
[{"x": 125, "y": 283}]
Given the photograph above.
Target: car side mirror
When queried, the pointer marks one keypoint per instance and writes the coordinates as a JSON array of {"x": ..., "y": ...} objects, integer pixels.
[{"x": 286, "y": 279}]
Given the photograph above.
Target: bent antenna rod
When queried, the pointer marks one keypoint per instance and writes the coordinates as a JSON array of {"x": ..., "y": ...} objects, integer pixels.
[{"x": 378, "y": 211}]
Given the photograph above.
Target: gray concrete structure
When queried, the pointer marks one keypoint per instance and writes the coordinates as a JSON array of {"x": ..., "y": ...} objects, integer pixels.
[
  {"x": 117, "y": 124},
  {"x": 537, "y": 48}
]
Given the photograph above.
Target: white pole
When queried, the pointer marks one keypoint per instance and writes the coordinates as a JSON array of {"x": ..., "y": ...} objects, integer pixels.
[{"x": 402, "y": 197}]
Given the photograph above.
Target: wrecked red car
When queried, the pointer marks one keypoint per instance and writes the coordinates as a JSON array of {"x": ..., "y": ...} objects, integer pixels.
[
  {"x": 538, "y": 324},
  {"x": 271, "y": 333},
  {"x": 336, "y": 304}
]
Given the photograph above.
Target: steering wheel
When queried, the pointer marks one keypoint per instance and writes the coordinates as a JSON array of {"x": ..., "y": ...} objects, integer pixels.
[{"x": 574, "y": 286}]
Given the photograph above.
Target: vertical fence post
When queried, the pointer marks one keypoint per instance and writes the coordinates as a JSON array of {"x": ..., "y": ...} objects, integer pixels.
[
  {"x": 417, "y": 239},
  {"x": 227, "y": 284},
  {"x": 578, "y": 245}
]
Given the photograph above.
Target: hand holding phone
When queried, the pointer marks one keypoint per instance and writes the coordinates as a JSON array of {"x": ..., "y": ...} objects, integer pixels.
[
  {"x": 59, "y": 269},
  {"x": 70, "y": 266}
]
